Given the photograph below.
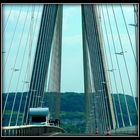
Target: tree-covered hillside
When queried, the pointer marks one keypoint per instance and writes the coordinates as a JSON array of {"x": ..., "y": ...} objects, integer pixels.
[{"x": 72, "y": 109}]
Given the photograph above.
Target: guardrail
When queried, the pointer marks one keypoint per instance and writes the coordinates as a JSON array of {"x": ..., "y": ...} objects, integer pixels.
[
  {"x": 131, "y": 130},
  {"x": 30, "y": 130}
]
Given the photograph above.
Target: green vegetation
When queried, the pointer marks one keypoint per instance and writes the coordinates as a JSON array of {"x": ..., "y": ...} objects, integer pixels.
[
  {"x": 8, "y": 112},
  {"x": 72, "y": 110},
  {"x": 72, "y": 121}
]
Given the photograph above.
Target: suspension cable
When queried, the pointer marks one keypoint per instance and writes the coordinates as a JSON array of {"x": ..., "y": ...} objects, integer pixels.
[
  {"x": 37, "y": 61},
  {"x": 108, "y": 44},
  {"x": 27, "y": 82},
  {"x": 109, "y": 73},
  {"x": 43, "y": 73},
  {"x": 104, "y": 51},
  {"x": 27, "y": 71},
  {"x": 13, "y": 105},
  {"x": 34, "y": 55},
  {"x": 117, "y": 59},
  {"x": 8, "y": 52},
  {"x": 30, "y": 49},
  {"x": 41, "y": 60},
  {"x": 96, "y": 79},
  {"x": 101, "y": 84},
  {"x": 100, "y": 97},
  {"x": 124, "y": 59},
  {"x": 100, "y": 76},
  {"x": 7, "y": 95},
  {"x": 20, "y": 102},
  {"x": 115, "y": 52},
  {"x": 7, "y": 20},
  {"x": 128, "y": 35}
]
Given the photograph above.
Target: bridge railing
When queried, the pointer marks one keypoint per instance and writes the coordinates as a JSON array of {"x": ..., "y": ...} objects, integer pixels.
[
  {"x": 131, "y": 130},
  {"x": 30, "y": 130}
]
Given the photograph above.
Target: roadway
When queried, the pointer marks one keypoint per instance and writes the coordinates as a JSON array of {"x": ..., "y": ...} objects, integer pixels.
[{"x": 83, "y": 134}]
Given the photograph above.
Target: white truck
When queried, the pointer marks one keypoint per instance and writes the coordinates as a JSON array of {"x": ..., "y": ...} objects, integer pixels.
[{"x": 39, "y": 116}]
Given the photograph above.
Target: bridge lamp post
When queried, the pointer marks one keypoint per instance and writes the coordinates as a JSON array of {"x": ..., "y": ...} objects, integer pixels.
[
  {"x": 3, "y": 52},
  {"x": 15, "y": 69},
  {"x": 120, "y": 53},
  {"x": 111, "y": 70},
  {"x": 26, "y": 82}
]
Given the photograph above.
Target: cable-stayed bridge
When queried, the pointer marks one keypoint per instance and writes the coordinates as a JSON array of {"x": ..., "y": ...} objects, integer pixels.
[{"x": 32, "y": 50}]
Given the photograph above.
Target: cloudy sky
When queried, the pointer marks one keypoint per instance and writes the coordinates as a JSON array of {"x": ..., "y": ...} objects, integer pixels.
[{"x": 72, "y": 65}]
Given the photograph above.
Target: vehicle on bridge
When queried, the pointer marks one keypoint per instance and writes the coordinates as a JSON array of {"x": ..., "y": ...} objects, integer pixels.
[{"x": 39, "y": 116}]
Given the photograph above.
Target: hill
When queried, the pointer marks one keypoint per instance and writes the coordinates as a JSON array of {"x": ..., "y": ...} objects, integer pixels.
[{"x": 72, "y": 109}]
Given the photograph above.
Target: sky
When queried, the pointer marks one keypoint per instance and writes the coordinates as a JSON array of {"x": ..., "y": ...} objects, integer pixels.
[
  {"x": 72, "y": 59},
  {"x": 131, "y": 65},
  {"x": 72, "y": 65}
]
